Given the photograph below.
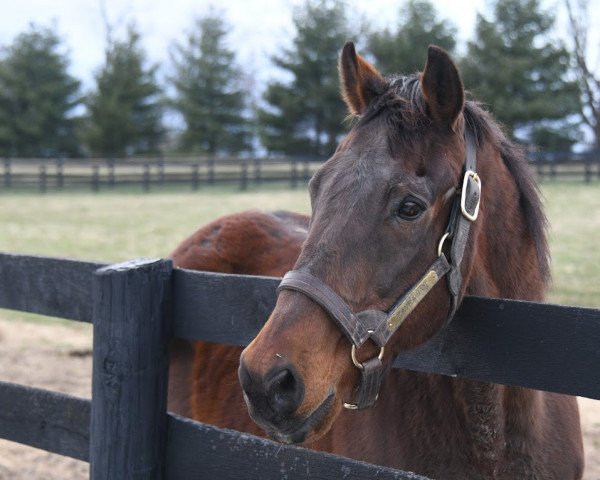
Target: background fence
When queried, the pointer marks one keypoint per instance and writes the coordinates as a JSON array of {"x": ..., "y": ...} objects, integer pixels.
[
  {"x": 567, "y": 165},
  {"x": 98, "y": 174},
  {"x": 136, "y": 307},
  {"x": 145, "y": 173}
]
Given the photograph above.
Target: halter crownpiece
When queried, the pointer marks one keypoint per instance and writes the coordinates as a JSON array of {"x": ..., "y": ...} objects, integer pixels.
[{"x": 379, "y": 326}]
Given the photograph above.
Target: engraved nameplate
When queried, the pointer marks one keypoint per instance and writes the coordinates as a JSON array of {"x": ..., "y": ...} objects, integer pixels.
[{"x": 399, "y": 314}]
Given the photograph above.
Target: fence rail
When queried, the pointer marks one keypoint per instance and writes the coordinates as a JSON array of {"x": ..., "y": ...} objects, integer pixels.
[
  {"x": 195, "y": 173},
  {"x": 96, "y": 174},
  {"x": 60, "y": 424},
  {"x": 510, "y": 342}
]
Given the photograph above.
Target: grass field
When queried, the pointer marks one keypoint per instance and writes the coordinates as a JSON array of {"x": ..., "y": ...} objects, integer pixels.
[{"x": 116, "y": 226}]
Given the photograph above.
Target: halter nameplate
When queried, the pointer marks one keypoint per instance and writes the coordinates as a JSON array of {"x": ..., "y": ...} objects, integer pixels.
[{"x": 418, "y": 292}]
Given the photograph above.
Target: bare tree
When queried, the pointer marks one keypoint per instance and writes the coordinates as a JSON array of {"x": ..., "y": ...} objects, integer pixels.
[
  {"x": 111, "y": 27},
  {"x": 589, "y": 81}
]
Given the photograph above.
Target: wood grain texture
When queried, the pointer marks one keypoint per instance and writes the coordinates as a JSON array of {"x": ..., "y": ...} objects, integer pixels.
[
  {"x": 49, "y": 286},
  {"x": 221, "y": 308},
  {"x": 50, "y": 421},
  {"x": 196, "y": 450},
  {"x": 130, "y": 370},
  {"x": 540, "y": 346}
]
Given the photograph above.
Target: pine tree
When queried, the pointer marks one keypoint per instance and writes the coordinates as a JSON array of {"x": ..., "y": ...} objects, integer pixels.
[
  {"x": 402, "y": 50},
  {"x": 208, "y": 92},
  {"x": 125, "y": 110},
  {"x": 37, "y": 97},
  {"x": 305, "y": 115},
  {"x": 519, "y": 70}
]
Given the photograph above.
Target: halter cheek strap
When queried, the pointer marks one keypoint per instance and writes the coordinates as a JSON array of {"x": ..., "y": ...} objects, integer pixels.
[{"x": 379, "y": 326}]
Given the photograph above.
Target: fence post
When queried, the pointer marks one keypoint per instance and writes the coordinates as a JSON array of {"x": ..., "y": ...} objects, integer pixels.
[
  {"x": 60, "y": 179},
  {"x": 306, "y": 173},
  {"x": 257, "y": 170},
  {"x": 243, "y": 174},
  {"x": 111, "y": 172},
  {"x": 294, "y": 173},
  {"x": 95, "y": 177},
  {"x": 7, "y": 173},
  {"x": 161, "y": 170},
  {"x": 43, "y": 178},
  {"x": 211, "y": 171},
  {"x": 587, "y": 173},
  {"x": 195, "y": 176},
  {"x": 146, "y": 181},
  {"x": 130, "y": 370}
]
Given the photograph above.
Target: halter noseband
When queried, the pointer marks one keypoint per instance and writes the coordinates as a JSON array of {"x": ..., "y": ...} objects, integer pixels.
[{"x": 379, "y": 326}]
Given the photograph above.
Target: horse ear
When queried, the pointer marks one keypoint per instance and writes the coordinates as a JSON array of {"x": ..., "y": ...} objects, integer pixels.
[
  {"x": 442, "y": 87},
  {"x": 360, "y": 81}
]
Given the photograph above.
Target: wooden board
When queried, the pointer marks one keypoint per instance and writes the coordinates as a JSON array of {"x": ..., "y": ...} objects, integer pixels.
[
  {"x": 59, "y": 424},
  {"x": 49, "y": 286},
  {"x": 196, "y": 450},
  {"x": 130, "y": 370},
  {"x": 545, "y": 347},
  {"x": 221, "y": 308},
  {"x": 50, "y": 421}
]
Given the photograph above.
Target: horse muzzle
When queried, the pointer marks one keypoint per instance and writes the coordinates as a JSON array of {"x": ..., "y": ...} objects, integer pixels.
[{"x": 273, "y": 401}]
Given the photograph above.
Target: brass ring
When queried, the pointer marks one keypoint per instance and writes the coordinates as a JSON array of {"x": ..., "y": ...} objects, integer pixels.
[
  {"x": 441, "y": 244},
  {"x": 357, "y": 363},
  {"x": 354, "y": 406}
]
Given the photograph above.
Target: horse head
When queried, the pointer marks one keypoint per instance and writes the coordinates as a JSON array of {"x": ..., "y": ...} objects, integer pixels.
[{"x": 385, "y": 226}]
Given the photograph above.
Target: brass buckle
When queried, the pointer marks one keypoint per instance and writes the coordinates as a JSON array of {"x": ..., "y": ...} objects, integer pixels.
[{"x": 463, "y": 196}]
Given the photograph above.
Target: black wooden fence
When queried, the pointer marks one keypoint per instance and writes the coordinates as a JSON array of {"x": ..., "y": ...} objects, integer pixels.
[
  {"x": 566, "y": 165},
  {"x": 125, "y": 431},
  {"x": 148, "y": 174},
  {"x": 196, "y": 173}
]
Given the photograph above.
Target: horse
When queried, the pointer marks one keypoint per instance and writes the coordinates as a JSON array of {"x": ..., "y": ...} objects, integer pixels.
[{"x": 424, "y": 201}]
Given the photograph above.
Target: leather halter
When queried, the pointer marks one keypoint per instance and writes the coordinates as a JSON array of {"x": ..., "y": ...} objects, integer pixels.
[{"x": 379, "y": 326}]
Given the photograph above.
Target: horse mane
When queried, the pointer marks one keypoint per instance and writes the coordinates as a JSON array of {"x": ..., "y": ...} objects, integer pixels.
[{"x": 402, "y": 108}]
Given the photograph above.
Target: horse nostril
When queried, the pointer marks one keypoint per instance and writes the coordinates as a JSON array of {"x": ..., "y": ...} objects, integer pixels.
[{"x": 285, "y": 391}]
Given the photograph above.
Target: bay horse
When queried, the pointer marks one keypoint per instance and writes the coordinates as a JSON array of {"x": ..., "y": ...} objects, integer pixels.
[{"x": 424, "y": 201}]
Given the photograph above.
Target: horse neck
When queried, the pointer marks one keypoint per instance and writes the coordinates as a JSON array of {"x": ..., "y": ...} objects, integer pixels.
[
  {"x": 477, "y": 418},
  {"x": 505, "y": 258},
  {"x": 505, "y": 265}
]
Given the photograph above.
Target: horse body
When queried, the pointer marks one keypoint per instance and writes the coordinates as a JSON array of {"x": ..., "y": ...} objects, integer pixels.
[{"x": 436, "y": 426}]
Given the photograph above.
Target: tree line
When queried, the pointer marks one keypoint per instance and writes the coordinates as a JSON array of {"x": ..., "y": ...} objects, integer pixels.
[{"x": 542, "y": 91}]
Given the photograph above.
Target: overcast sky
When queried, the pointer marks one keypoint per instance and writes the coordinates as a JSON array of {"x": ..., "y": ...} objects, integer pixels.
[{"x": 260, "y": 27}]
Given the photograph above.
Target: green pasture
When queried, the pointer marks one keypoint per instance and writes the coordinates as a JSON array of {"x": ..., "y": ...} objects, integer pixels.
[{"x": 115, "y": 226}]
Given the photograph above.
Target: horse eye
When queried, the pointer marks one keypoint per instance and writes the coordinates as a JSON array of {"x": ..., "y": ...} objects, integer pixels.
[{"x": 410, "y": 209}]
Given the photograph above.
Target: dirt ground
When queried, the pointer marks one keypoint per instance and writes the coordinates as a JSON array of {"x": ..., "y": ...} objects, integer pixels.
[{"x": 58, "y": 357}]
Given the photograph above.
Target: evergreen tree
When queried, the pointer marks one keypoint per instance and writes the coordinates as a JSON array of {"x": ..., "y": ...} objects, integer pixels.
[
  {"x": 402, "y": 50},
  {"x": 208, "y": 93},
  {"x": 125, "y": 111},
  {"x": 37, "y": 97},
  {"x": 305, "y": 115},
  {"x": 515, "y": 66}
]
